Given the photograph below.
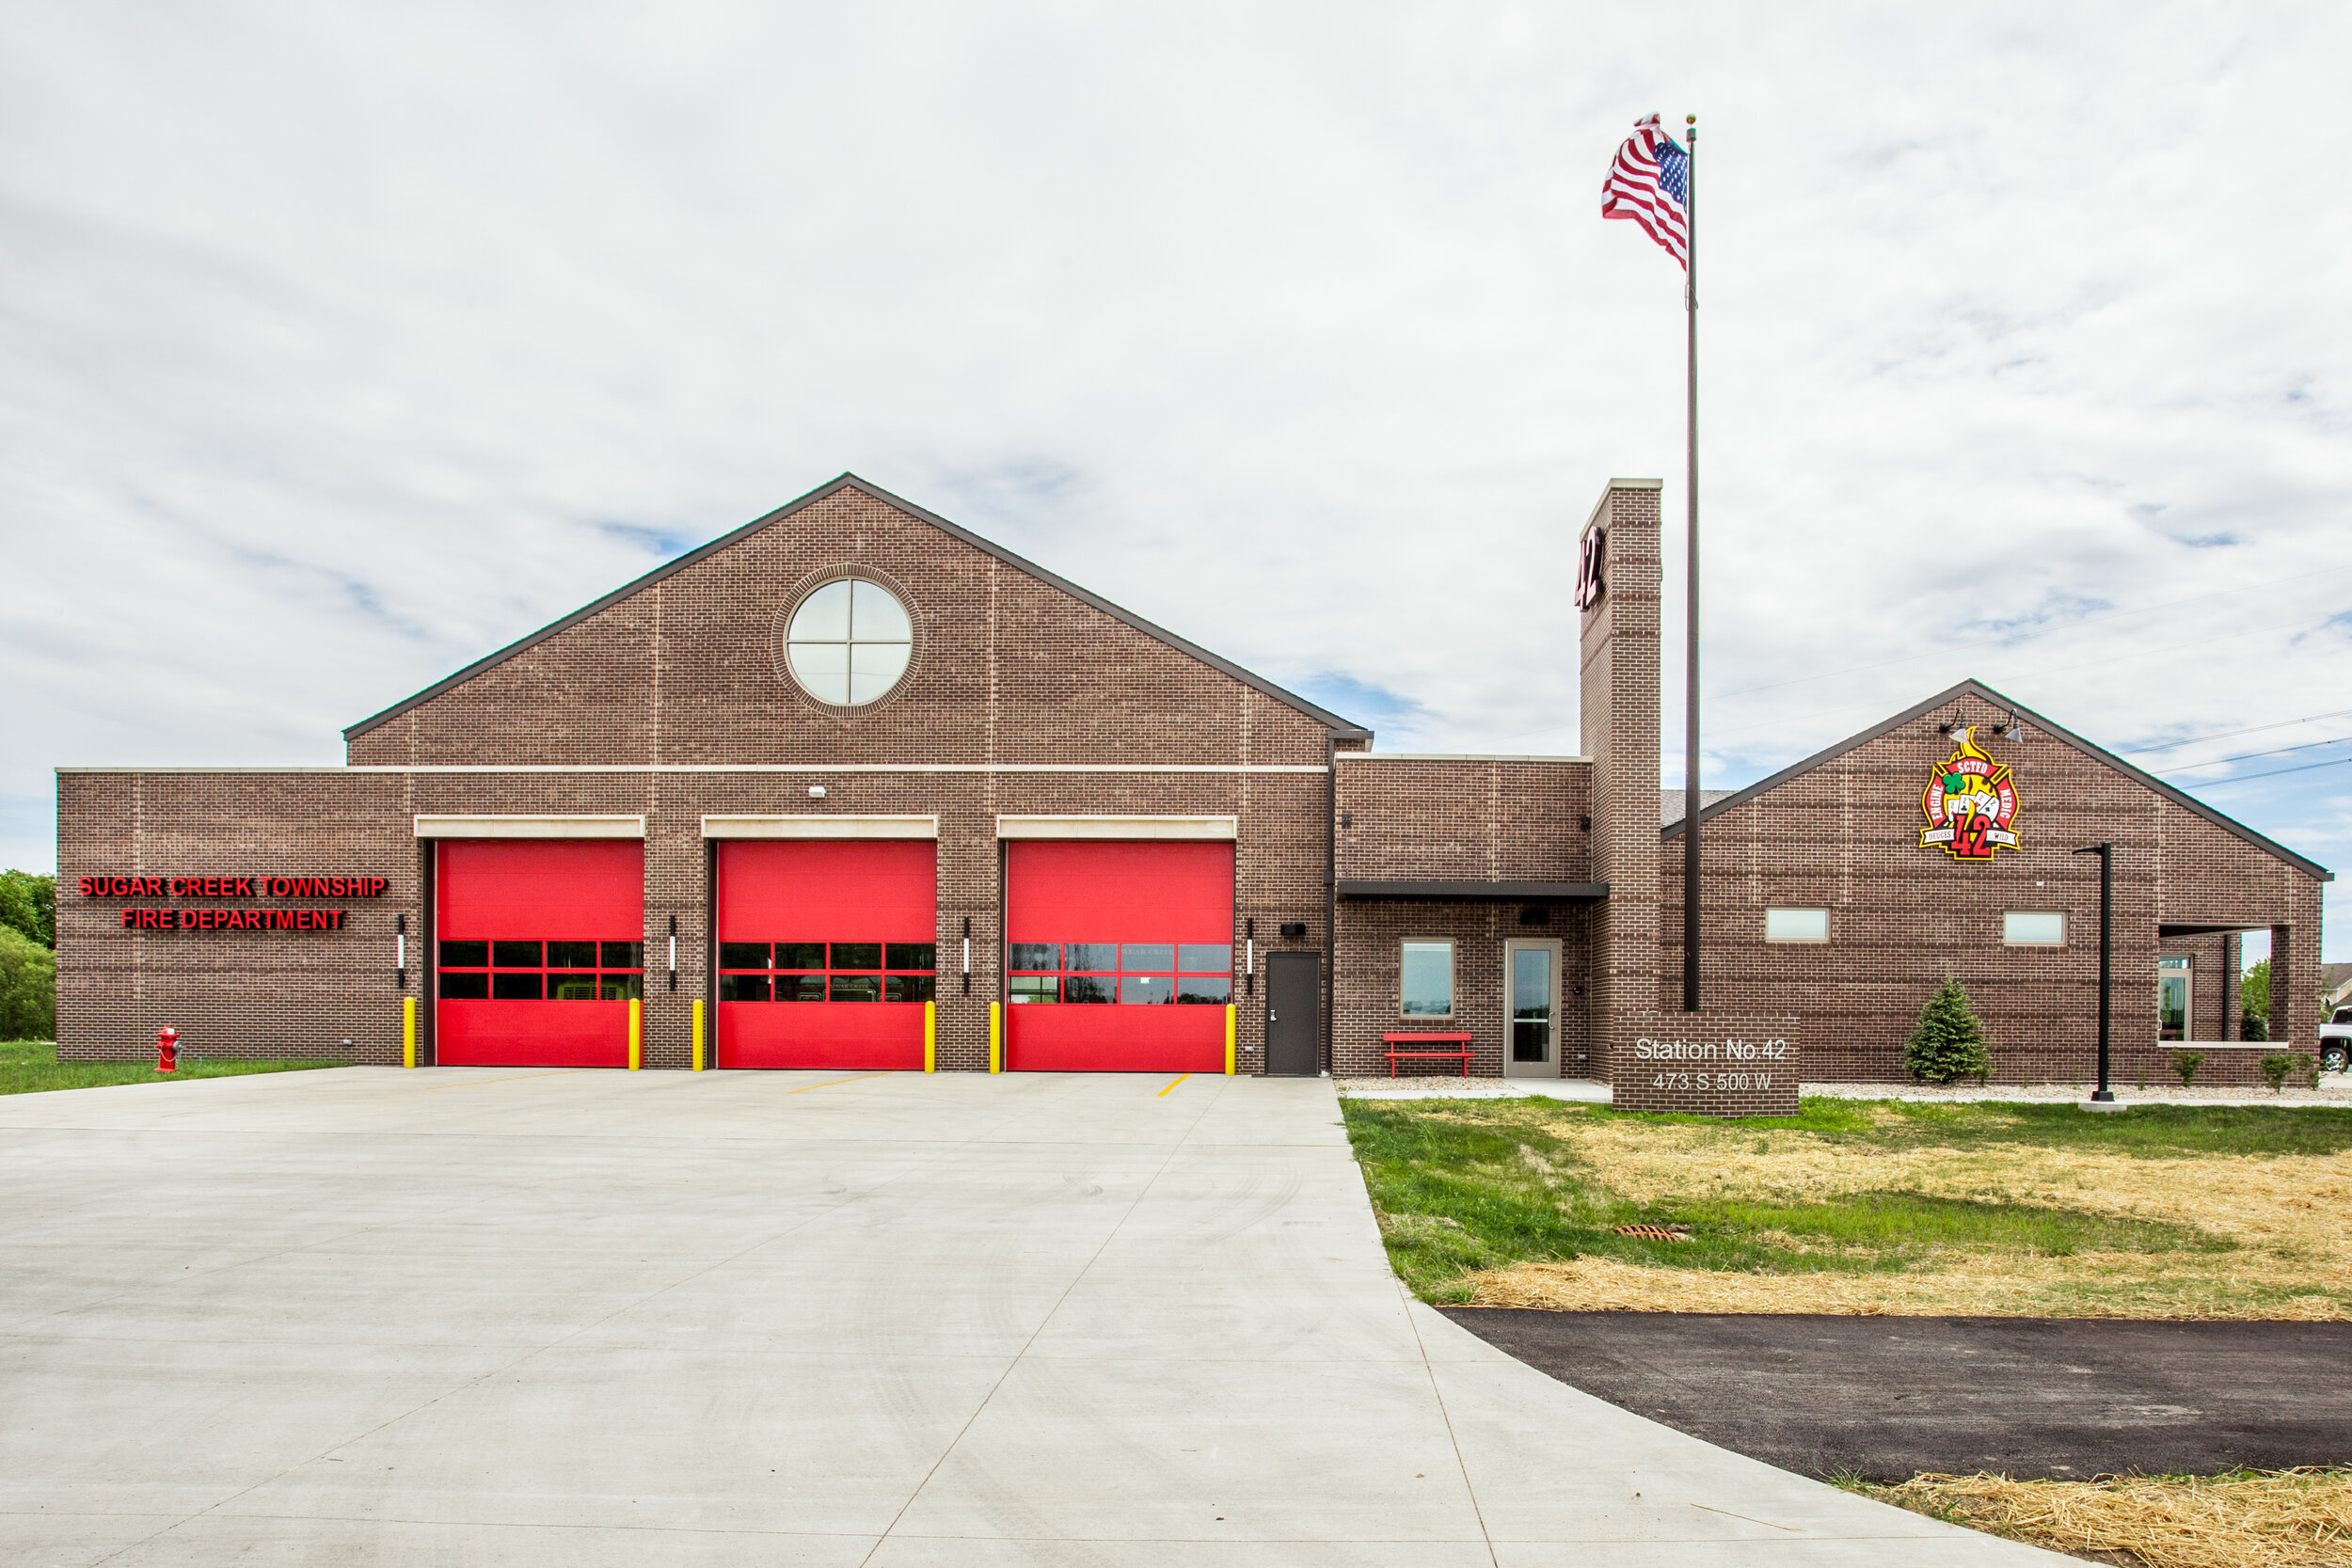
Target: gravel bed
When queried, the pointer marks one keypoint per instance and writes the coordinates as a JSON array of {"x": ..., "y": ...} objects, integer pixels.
[{"x": 2335, "y": 1090}]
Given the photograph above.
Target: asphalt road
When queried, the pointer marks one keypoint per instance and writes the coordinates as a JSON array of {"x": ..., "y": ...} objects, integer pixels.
[{"x": 1889, "y": 1397}]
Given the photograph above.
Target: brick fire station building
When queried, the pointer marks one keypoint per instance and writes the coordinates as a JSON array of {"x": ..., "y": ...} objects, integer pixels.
[{"x": 852, "y": 788}]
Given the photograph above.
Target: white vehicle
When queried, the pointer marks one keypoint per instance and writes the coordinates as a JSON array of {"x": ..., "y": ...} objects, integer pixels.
[{"x": 2335, "y": 1042}]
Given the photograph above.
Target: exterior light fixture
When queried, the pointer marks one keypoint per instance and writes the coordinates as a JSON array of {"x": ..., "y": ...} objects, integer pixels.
[
  {"x": 967, "y": 954},
  {"x": 674, "y": 952},
  {"x": 400, "y": 951},
  {"x": 1250, "y": 956},
  {"x": 816, "y": 792}
]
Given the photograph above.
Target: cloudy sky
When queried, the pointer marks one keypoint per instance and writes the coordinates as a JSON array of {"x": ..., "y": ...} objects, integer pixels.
[{"x": 342, "y": 345}]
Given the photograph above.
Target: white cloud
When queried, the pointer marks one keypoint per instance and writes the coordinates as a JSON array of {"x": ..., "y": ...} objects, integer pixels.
[{"x": 339, "y": 346}]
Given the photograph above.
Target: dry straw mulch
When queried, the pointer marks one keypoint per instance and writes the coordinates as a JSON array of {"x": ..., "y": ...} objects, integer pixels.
[
  {"x": 2277, "y": 1519},
  {"x": 2293, "y": 1258}
]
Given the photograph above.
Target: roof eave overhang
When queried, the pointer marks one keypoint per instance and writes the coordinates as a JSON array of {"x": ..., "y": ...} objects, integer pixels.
[{"x": 1516, "y": 892}]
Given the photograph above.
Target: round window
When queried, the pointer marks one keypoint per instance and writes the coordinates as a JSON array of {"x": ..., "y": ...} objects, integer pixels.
[{"x": 849, "y": 641}]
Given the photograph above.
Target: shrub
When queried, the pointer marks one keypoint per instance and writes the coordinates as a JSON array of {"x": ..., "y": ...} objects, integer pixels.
[
  {"x": 2185, "y": 1063},
  {"x": 29, "y": 903},
  {"x": 28, "y": 988},
  {"x": 2275, "y": 1068},
  {"x": 1948, "y": 1044}
]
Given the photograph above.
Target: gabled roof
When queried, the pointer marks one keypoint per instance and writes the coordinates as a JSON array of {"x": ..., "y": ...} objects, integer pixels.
[
  {"x": 1670, "y": 804},
  {"x": 1342, "y": 728},
  {"x": 1985, "y": 693}
]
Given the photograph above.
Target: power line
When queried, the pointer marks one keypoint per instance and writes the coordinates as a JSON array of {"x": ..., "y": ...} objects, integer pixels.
[
  {"x": 2276, "y": 772},
  {"x": 2249, "y": 756},
  {"x": 2228, "y": 734}
]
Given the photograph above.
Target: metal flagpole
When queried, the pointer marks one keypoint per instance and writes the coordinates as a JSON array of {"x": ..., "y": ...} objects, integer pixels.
[{"x": 1691, "y": 629}]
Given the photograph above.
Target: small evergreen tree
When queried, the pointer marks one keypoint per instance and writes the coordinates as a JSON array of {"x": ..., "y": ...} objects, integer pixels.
[{"x": 1948, "y": 1044}]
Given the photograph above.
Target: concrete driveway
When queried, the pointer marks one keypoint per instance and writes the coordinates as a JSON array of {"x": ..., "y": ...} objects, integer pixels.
[{"x": 501, "y": 1316}]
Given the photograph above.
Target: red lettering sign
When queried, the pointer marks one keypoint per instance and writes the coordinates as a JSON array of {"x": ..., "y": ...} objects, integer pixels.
[
  {"x": 233, "y": 887},
  {"x": 234, "y": 919}
]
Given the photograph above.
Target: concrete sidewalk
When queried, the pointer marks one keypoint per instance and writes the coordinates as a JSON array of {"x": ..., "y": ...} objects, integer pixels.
[{"x": 483, "y": 1316}]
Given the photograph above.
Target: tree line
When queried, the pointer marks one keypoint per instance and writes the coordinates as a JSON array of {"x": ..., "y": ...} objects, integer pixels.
[{"x": 28, "y": 956}]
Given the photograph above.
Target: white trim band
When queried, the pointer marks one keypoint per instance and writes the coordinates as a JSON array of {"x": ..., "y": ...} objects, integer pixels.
[
  {"x": 531, "y": 827},
  {"x": 820, "y": 827},
  {"x": 1446, "y": 757},
  {"x": 520, "y": 767},
  {"x": 1224, "y": 827}
]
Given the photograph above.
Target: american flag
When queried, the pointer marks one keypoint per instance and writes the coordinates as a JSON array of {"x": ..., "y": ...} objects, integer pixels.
[{"x": 1651, "y": 183}]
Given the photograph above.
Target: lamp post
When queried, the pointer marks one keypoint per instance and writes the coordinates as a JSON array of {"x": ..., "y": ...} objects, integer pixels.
[{"x": 2103, "y": 1095}]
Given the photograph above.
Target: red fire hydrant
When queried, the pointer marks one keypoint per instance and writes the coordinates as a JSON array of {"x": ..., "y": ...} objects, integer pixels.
[{"x": 166, "y": 1049}]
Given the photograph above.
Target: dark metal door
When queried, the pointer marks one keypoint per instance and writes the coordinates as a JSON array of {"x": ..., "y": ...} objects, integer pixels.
[{"x": 1293, "y": 1013}]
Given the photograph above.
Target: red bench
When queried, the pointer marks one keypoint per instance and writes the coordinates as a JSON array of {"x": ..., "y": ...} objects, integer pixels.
[{"x": 1460, "y": 1050}]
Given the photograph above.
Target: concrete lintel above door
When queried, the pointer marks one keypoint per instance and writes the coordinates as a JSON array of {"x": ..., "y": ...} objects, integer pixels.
[
  {"x": 1226, "y": 828},
  {"x": 809, "y": 825},
  {"x": 530, "y": 826}
]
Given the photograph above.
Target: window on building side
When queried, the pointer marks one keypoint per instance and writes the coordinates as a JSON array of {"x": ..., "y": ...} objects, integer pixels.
[
  {"x": 1425, "y": 988},
  {"x": 849, "y": 643},
  {"x": 2034, "y": 928},
  {"x": 1796, "y": 925}
]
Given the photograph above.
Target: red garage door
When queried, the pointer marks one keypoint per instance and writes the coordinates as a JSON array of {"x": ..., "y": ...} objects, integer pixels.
[
  {"x": 542, "y": 947},
  {"x": 1132, "y": 945},
  {"x": 826, "y": 952}
]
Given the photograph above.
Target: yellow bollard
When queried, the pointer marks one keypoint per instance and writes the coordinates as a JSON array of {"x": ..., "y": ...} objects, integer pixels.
[
  {"x": 698, "y": 1034},
  {"x": 1229, "y": 1015},
  {"x": 408, "y": 1031},
  {"x": 995, "y": 1036},
  {"x": 931, "y": 1036},
  {"x": 636, "y": 1033}
]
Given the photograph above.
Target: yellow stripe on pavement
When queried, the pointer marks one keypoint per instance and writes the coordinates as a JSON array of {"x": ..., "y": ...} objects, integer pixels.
[{"x": 829, "y": 1083}]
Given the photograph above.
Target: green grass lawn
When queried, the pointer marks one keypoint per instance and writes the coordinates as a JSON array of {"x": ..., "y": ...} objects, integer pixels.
[
  {"x": 29, "y": 1067},
  {"x": 1846, "y": 1187}
]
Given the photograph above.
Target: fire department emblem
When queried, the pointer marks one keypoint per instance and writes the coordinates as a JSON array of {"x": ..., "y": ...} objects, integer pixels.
[{"x": 1970, "y": 804}]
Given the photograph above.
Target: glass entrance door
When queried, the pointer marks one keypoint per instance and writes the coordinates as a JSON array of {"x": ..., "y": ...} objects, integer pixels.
[{"x": 1531, "y": 979}]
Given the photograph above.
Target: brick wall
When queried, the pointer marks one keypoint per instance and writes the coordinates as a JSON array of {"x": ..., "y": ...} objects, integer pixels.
[
  {"x": 1464, "y": 818},
  {"x": 1619, "y": 674},
  {"x": 302, "y": 993},
  {"x": 1013, "y": 681},
  {"x": 1844, "y": 836},
  {"x": 1007, "y": 669},
  {"x": 1371, "y": 932}
]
